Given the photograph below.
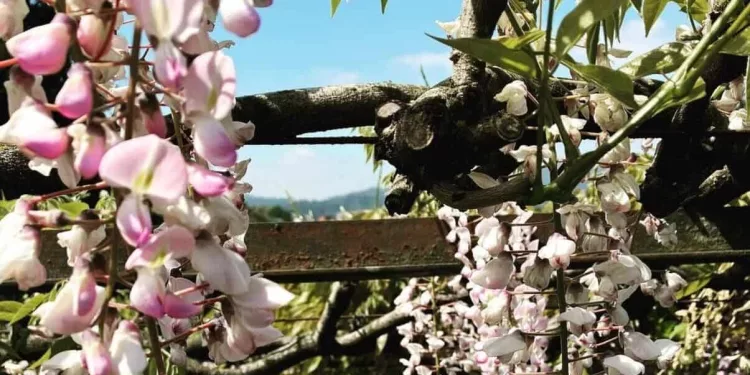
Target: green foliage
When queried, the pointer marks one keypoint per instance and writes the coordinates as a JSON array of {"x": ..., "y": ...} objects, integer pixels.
[
  {"x": 662, "y": 60},
  {"x": 519, "y": 42},
  {"x": 651, "y": 11},
  {"x": 383, "y": 4},
  {"x": 8, "y": 310},
  {"x": 71, "y": 205},
  {"x": 696, "y": 92},
  {"x": 334, "y": 6},
  {"x": 495, "y": 53},
  {"x": 583, "y": 17},
  {"x": 28, "y": 307},
  {"x": 698, "y": 8},
  {"x": 6, "y": 207},
  {"x": 616, "y": 83},
  {"x": 739, "y": 45}
]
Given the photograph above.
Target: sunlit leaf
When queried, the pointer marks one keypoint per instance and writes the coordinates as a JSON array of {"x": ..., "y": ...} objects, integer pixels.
[
  {"x": 522, "y": 41},
  {"x": 580, "y": 19},
  {"x": 28, "y": 307},
  {"x": 739, "y": 45},
  {"x": 698, "y": 8},
  {"x": 73, "y": 209},
  {"x": 8, "y": 309},
  {"x": 617, "y": 84},
  {"x": 662, "y": 60},
  {"x": 650, "y": 11},
  {"x": 383, "y": 4},
  {"x": 334, "y": 5},
  {"x": 495, "y": 53}
]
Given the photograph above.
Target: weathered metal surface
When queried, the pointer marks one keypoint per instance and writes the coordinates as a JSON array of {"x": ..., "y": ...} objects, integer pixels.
[{"x": 338, "y": 250}]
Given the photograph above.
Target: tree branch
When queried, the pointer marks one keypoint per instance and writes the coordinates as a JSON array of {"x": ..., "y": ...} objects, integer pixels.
[
  {"x": 289, "y": 113},
  {"x": 306, "y": 346}
]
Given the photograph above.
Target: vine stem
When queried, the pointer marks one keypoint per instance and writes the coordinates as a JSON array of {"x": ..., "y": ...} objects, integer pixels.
[
  {"x": 77, "y": 189},
  {"x": 189, "y": 332},
  {"x": 564, "y": 326},
  {"x": 153, "y": 338}
]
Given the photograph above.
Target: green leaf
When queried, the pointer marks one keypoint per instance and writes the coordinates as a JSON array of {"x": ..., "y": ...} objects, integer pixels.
[
  {"x": 697, "y": 92},
  {"x": 494, "y": 53},
  {"x": 650, "y": 11},
  {"x": 383, "y": 3},
  {"x": 592, "y": 43},
  {"x": 522, "y": 41},
  {"x": 59, "y": 345},
  {"x": 698, "y": 8},
  {"x": 662, "y": 60},
  {"x": 617, "y": 84},
  {"x": 334, "y": 5},
  {"x": 609, "y": 23},
  {"x": 73, "y": 209},
  {"x": 28, "y": 307},
  {"x": 693, "y": 287},
  {"x": 739, "y": 45},
  {"x": 579, "y": 20},
  {"x": 637, "y": 4},
  {"x": 8, "y": 309}
]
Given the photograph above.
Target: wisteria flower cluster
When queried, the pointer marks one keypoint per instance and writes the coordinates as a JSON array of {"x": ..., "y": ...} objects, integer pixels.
[
  {"x": 506, "y": 324},
  {"x": 183, "y": 173}
]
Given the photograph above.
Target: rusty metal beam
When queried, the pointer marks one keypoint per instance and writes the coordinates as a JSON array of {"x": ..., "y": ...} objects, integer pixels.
[{"x": 394, "y": 248}]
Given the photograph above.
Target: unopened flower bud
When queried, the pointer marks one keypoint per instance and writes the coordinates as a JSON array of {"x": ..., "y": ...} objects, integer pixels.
[
  {"x": 93, "y": 34},
  {"x": 153, "y": 119},
  {"x": 43, "y": 49},
  {"x": 76, "y": 97},
  {"x": 240, "y": 17}
]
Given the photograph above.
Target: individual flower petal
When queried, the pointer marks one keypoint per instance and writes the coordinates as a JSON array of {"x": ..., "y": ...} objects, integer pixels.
[
  {"x": 72, "y": 310},
  {"x": 639, "y": 346},
  {"x": 126, "y": 350},
  {"x": 78, "y": 241},
  {"x": 178, "y": 308},
  {"x": 558, "y": 250},
  {"x": 76, "y": 97},
  {"x": 134, "y": 220},
  {"x": 172, "y": 243},
  {"x": 95, "y": 355},
  {"x": 514, "y": 94},
  {"x": 504, "y": 345},
  {"x": 69, "y": 360},
  {"x": 210, "y": 85},
  {"x": 208, "y": 183},
  {"x": 496, "y": 274},
  {"x": 43, "y": 49},
  {"x": 168, "y": 19},
  {"x": 223, "y": 269},
  {"x": 624, "y": 365},
  {"x": 147, "y": 165},
  {"x": 212, "y": 142},
  {"x": 12, "y": 14},
  {"x": 170, "y": 66},
  {"x": 239, "y": 17},
  {"x": 668, "y": 350},
  {"x": 578, "y": 316},
  {"x": 147, "y": 293},
  {"x": 89, "y": 146}
]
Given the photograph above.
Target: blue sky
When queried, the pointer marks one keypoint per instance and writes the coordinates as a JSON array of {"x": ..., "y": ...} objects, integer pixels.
[{"x": 300, "y": 45}]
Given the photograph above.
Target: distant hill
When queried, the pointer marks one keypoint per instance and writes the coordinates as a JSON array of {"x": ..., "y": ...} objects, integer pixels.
[{"x": 357, "y": 201}]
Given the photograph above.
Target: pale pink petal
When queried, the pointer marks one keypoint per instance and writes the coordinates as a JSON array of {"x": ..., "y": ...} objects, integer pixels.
[
  {"x": 262, "y": 294},
  {"x": 210, "y": 85},
  {"x": 168, "y": 19},
  {"x": 60, "y": 316},
  {"x": 496, "y": 274},
  {"x": 43, "y": 49},
  {"x": 178, "y": 308},
  {"x": 212, "y": 143},
  {"x": 147, "y": 165},
  {"x": 208, "y": 183},
  {"x": 170, "y": 66},
  {"x": 134, "y": 220},
  {"x": 92, "y": 34},
  {"x": 76, "y": 97},
  {"x": 95, "y": 355},
  {"x": 147, "y": 293},
  {"x": 239, "y": 17},
  {"x": 85, "y": 296},
  {"x": 126, "y": 350},
  {"x": 171, "y": 243},
  {"x": 223, "y": 269},
  {"x": 177, "y": 284}
]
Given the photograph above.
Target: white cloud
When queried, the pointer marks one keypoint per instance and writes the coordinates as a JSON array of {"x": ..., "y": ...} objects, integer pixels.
[
  {"x": 425, "y": 59},
  {"x": 633, "y": 36}
]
